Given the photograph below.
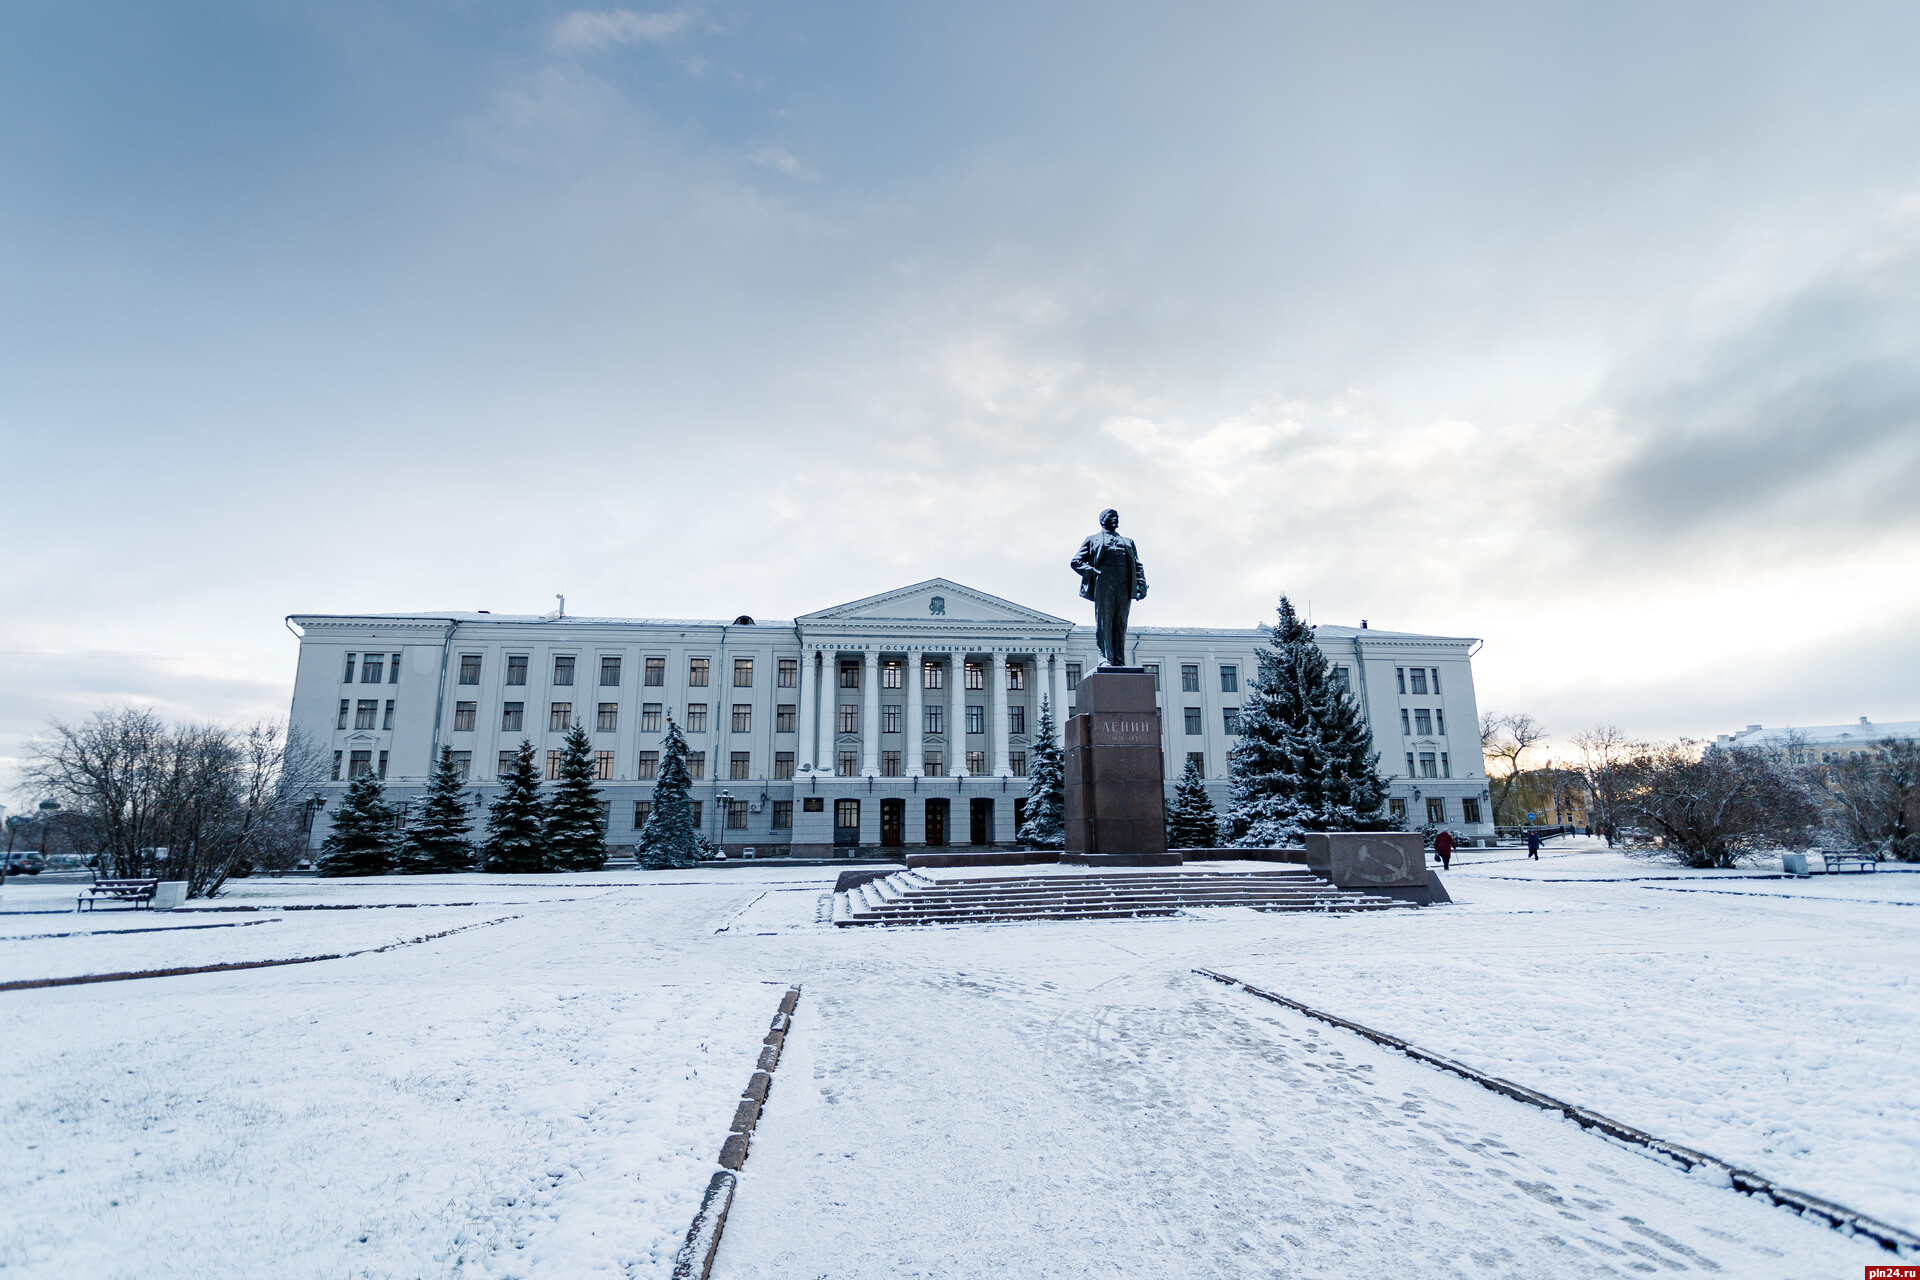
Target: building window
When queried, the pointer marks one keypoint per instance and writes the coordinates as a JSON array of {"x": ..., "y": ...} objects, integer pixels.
[
  {"x": 1229, "y": 679},
  {"x": 506, "y": 763},
  {"x": 1397, "y": 810},
  {"x": 553, "y": 764},
  {"x": 1153, "y": 669},
  {"x": 466, "y": 716},
  {"x": 656, "y": 675},
  {"x": 933, "y": 675},
  {"x": 849, "y": 764},
  {"x": 1073, "y": 676},
  {"x": 740, "y": 766},
  {"x": 1406, "y": 725},
  {"x": 696, "y": 764},
  {"x": 609, "y": 673},
  {"x": 1230, "y": 720},
  {"x": 1419, "y": 675},
  {"x": 892, "y": 675},
  {"x": 743, "y": 717},
  {"x": 1470, "y": 811},
  {"x": 1429, "y": 767},
  {"x": 1189, "y": 677},
  {"x": 1440, "y": 721},
  {"x": 1193, "y": 722},
  {"x": 785, "y": 717},
  {"x": 462, "y": 763},
  {"x": 743, "y": 673},
  {"x": 976, "y": 762},
  {"x": 782, "y": 765},
  {"x": 469, "y": 668},
  {"x": 372, "y": 668},
  {"x": 1409, "y": 764},
  {"x": 1016, "y": 719},
  {"x": 517, "y": 668},
  {"x": 513, "y": 716},
  {"x": 783, "y": 815},
  {"x": 696, "y": 717},
  {"x": 976, "y": 720},
  {"x": 788, "y": 674},
  {"x": 348, "y": 678},
  {"x": 649, "y": 717},
  {"x": 1198, "y": 759},
  {"x": 559, "y": 716},
  {"x": 642, "y": 810},
  {"x": 366, "y": 713},
  {"x": 849, "y": 675},
  {"x": 849, "y": 717},
  {"x": 563, "y": 670},
  {"x": 359, "y": 764},
  {"x": 736, "y": 815},
  {"x": 336, "y": 766},
  {"x": 648, "y": 766},
  {"x": 1436, "y": 811},
  {"x": 608, "y": 718},
  {"x": 1400, "y": 678},
  {"x": 346, "y": 704},
  {"x": 697, "y": 669},
  {"x": 1446, "y": 769},
  {"x": 383, "y": 766},
  {"x": 603, "y": 765},
  {"x": 846, "y": 814},
  {"x": 699, "y": 808},
  {"x": 890, "y": 764},
  {"x": 1018, "y": 759},
  {"x": 890, "y": 718},
  {"x": 1422, "y": 721},
  {"x": 934, "y": 764},
  {"x": 976, "y": 676},
  {"x": 1016, "y": 676},
  {"x": 1436, "y": 682},
  {"x": 1340, "y": 679},
  {"x": 393, "y": 670},
  {"x": 934, "y": 718}
]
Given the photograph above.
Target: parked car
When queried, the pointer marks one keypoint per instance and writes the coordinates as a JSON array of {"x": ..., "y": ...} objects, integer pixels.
[{"x": 25, "y": 862}]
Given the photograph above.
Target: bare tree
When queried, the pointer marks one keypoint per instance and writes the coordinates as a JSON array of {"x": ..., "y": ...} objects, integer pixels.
[
  {"x": 1712, "y": 807},
  {"x": 1605, "y": 753},
  {"x": 1507, "y": 738},
  {"x": 1875, "y": 798}
]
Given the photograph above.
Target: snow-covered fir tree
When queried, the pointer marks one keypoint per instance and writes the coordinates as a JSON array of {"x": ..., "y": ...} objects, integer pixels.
[
  {"x": 439, "y": 840},
  {"x": 516, "y": 839},
  {"x": 1045, "y": 826},
  {"x": 1191, "y": 822},
  {"x": 362, "y": 840},
  {"x": 1305, "y": 759},
  {"x": 668, "y": 838},
  {"x": 576, "y": 834}
]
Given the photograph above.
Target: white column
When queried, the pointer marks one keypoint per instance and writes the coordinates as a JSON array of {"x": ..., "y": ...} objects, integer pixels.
[
  {"x": 1057, "y": 696},
  {"x": 870, "y": 721},
  {"x": 957, "y": 720},
  {"x": 998, "y": 762},
  {"x": 916, "y": 722},
  {"x": 829, "y": 711},
  {"x": 809, "y": 697}
]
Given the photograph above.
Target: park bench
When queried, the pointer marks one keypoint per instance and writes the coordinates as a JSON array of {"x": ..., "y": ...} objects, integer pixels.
[
  {"x": 1841, "y": 859},
  {"x": 133, "y": 891}
]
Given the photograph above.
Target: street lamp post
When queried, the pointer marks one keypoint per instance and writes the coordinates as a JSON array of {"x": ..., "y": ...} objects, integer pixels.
[{"x": 723, "y": 806}]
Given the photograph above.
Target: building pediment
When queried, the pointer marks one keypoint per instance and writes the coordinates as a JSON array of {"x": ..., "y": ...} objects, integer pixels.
[{"x": 935, "y": 602}]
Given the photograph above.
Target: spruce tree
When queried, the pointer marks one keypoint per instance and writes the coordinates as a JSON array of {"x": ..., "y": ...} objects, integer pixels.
[
  {"x": 515, "y": 841},
  {"x": 1305, "y": 759},
  {"x": 1191, "y": 823},
  {"x": 362, "y": 840},
  {"x": 1046, "y": 824},
  {"x": 576, "y": 837},
  {"x": 439, "y": 841},
  {"x": 668, "y": 838}
]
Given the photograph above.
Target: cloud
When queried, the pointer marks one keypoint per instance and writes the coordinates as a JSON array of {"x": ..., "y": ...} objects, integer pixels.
[
  {"x": 604, "y": 28},
  {"x": 782, "y": 161}
]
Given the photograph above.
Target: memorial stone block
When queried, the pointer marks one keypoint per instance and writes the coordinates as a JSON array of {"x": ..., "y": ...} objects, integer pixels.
[{"x": 1115, "y": 795}]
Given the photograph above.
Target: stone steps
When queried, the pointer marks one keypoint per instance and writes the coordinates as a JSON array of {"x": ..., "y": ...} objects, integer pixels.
[{"x": 911, "y": 897}]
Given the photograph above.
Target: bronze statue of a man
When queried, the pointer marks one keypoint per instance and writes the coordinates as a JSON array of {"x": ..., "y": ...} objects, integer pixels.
[{"x": 1112, "y": 577}]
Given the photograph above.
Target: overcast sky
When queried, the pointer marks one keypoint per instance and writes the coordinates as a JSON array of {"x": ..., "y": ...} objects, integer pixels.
[{"x": 1590, "y": 330}]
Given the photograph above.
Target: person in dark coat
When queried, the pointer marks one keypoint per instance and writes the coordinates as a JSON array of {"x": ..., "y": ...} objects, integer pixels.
[
  {"x": 1533, "y": 845},
  {"x": 1443, "y": 850}
]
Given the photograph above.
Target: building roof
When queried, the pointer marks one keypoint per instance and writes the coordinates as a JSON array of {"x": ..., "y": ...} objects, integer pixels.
[{"x": 1859, "y": 733}]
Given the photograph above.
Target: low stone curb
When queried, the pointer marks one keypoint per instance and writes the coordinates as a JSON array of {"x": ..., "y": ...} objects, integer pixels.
[
  {"x": 1839, "y": 1217},
  {"x": 30, "y": 984},
  {"x": 695, "y": 1259}
]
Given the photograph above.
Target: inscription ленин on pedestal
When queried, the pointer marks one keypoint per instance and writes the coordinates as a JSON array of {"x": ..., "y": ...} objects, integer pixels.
[{"x": 1115, "y": 792}]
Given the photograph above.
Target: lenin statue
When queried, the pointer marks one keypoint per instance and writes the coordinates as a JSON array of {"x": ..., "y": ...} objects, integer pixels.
[{"x": 1111, "y": 576}]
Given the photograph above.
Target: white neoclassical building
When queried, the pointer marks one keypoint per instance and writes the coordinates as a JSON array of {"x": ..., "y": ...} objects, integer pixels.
[{"x": 902, "y": 719}]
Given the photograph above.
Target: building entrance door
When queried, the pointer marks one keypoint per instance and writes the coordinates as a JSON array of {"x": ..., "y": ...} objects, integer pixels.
[
  {"x": 846, "y": 822},
  {"x": 981, "y": 813},
  {"x": 893, "y": 822},
  {"x": 936, "y": 822}
]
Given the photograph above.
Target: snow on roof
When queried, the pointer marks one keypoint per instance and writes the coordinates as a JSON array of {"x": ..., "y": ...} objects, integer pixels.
[{"x": 1859, "y": 733}]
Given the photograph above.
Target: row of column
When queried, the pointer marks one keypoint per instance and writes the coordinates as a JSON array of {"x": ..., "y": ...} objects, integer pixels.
[{"x": 819, "y": 708}]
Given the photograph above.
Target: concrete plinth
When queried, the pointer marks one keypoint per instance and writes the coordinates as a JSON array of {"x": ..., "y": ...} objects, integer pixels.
[
  {"x": 1115, "y": 797},
  {"x": 1368, "y": 859}
]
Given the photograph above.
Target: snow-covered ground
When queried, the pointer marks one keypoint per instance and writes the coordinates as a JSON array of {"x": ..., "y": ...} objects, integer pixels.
[{"x": 544, "y": 1095}]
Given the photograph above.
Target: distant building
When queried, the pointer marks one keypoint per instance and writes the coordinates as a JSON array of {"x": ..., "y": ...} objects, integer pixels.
[
  {"x": 903, "y": 719},
  {"x": 1820, "y": 744}
]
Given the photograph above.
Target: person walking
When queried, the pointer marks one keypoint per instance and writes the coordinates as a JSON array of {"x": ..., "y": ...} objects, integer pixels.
[
  {"x": 1443, "y": 850},
  {"x": 1533, "y": 845}
]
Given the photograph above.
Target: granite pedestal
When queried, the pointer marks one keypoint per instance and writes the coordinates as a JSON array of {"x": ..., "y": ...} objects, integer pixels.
[{"x": 1116, "y": 797}]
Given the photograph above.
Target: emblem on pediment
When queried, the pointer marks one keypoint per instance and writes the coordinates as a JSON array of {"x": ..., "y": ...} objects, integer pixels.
[{"x": 937, "y": 606}]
